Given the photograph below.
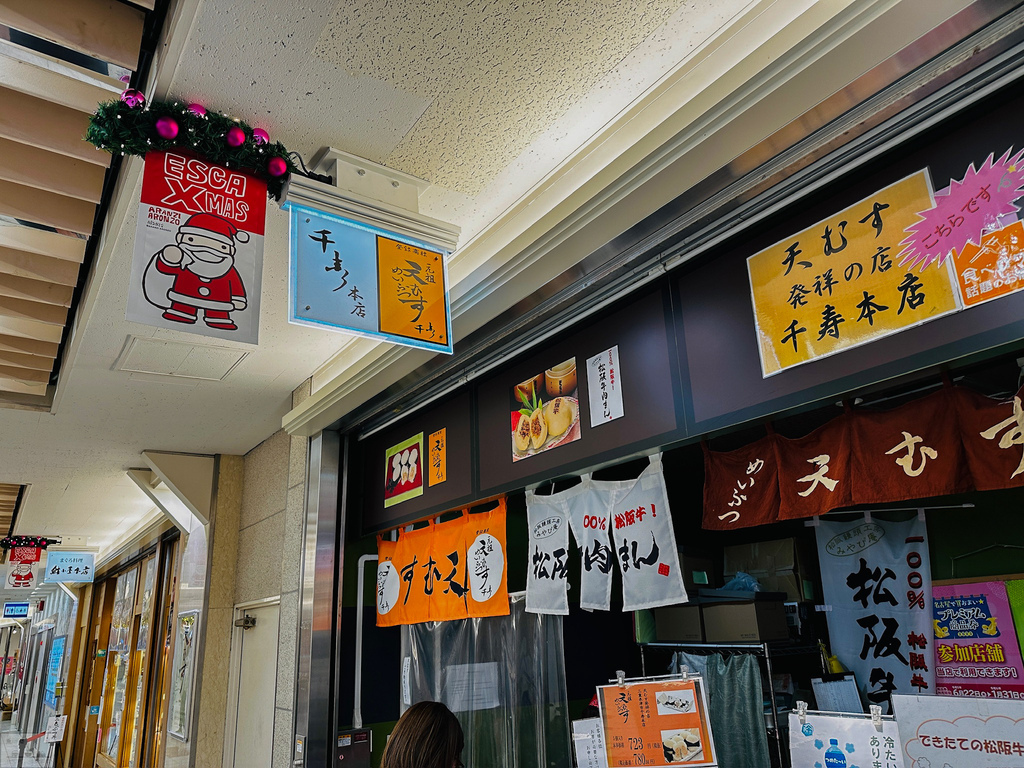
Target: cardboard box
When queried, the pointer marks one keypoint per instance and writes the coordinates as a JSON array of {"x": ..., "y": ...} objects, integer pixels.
[
  {"x": 679, "y": 624},
  {"x": 750, "y": 621},
  {"x": 778, "y": 565}
]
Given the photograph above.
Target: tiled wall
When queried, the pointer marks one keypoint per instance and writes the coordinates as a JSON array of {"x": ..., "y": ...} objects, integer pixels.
[
  {"x": 257, "y": 550},
  {"x": 269, "y": 555}
]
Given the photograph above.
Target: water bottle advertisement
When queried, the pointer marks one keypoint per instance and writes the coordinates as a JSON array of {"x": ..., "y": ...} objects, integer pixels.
[{"x": 820, "y": 740}]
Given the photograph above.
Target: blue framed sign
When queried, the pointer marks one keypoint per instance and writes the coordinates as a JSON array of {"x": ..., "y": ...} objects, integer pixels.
[
  {"x": 348, "y": 276},
  {"x": 69, "y": 567},
  {"x": 15, "y": 610},
  {"x": 53, "y": 671}
]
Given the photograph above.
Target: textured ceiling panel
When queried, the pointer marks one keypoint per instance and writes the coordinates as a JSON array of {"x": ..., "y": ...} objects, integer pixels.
[
  {"x": 270, "y": 79},
  {"x": 497, "y": 74}
]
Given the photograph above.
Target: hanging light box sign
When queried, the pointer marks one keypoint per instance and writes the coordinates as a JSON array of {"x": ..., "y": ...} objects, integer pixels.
[{"x": 353, "y": 277}]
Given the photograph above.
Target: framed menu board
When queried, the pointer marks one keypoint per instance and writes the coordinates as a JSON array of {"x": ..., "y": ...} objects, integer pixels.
[{"x": 661, "y": 723}]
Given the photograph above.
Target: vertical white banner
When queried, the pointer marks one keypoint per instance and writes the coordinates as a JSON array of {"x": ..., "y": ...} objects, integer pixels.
[
  {"x": 604, "y": 385},
  {"x": 547, "y": 576},
  {"x": 645, "y": 544},
  {"x": 877, "y": 582},
  {"x": 591, "y": 505}
]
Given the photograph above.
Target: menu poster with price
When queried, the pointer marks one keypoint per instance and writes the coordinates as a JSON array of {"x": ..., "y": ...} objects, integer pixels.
[{"x": 656, "y": 723}]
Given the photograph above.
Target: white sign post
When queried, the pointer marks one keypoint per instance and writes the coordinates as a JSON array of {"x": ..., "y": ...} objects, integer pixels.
[{"x": 55, "y": 726}]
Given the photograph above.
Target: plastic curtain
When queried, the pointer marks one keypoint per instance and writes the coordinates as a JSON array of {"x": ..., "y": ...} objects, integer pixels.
[{"x": 503, "y": 677}]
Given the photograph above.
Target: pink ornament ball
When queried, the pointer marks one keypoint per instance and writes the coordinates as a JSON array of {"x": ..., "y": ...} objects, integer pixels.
[
  {"x": 260, "y": 136},
  {"x": 277, "y": 167},
  {"x": 133, "y": 98},
  {"x": 167, "y": 127},
  {"x": 197, "y": 109},
  {"x": 235, "y": 137}
]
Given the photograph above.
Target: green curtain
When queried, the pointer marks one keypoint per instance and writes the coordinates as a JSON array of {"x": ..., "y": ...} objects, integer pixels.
[{"x": 736, "y": 704}]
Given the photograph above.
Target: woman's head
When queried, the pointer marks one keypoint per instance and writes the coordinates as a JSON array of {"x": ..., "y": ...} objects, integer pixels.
[{"x": 428, "y": 735}]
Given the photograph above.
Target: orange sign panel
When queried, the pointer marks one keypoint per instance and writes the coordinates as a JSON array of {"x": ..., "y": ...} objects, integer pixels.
[
  {"x": 838, "y": 284},
  {"x": 995, "y": 269},
  {"x": 412, "y": 291},
  {"x": 437, "y": 470},
  {"x": 656, "y": 723}
]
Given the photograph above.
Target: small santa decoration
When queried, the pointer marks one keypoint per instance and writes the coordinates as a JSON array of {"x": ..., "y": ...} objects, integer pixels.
[
  {"x": 21, "y": 575},
  {"x": 201, "y": 264}
]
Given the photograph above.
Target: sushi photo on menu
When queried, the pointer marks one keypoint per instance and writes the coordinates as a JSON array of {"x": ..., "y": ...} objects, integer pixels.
[
  {"x": 682, "y": 745},
  {"x": 675, "y": 702},
  {"x": 403, "y": 471}
]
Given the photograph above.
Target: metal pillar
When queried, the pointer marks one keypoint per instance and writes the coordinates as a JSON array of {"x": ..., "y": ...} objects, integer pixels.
[{"x": 316, "y": 681}]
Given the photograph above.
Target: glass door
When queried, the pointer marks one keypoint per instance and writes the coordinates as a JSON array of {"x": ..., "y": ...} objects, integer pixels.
[
  {"x": 116, "y": 678},
  {"x": 140, "y": 663}
]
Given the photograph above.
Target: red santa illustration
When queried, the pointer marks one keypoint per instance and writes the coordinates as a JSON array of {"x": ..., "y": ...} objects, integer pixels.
[
  {"x": 21, "y": 575},
  {"x": 200, "y": 268}
]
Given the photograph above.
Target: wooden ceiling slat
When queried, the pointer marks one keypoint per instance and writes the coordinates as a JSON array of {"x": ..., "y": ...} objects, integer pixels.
[
  {"x": 27, "y": 346},
  {"x": 62, "y": 82},
  {"x": 11, "y": 387},
  {"x": 37, "y": 267},
  {"x": 49, "y": 171},
  {"x": 30, "y": 329},
  {"x": 58, "y": 246},
  {"x": 33, "y": 310},
  {"x": 25, "y": 374},
  {"x": 41, "y": 123},
  {"x": 58, "y": 211},
  {"x": 19, "y": 360},
  {"x": 107, "y": 30},
  {"x": 35, "y": 290}
]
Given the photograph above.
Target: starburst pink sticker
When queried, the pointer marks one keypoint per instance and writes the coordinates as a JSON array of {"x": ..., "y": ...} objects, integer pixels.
[{"x": 966, "y": 211}]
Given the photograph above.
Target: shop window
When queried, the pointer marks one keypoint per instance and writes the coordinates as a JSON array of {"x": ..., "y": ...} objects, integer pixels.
[{"x": 115, "y": 687}]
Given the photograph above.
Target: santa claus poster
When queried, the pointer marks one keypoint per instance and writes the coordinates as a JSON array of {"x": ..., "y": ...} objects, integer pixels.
[
  {"x": 21, "y": 567},
  {"x": 198, "y": 260}
]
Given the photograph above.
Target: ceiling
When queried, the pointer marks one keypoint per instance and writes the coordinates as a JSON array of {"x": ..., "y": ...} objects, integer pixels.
[
  {"x": 55, "y": 64},
  {"x": 486, "y": 101}
]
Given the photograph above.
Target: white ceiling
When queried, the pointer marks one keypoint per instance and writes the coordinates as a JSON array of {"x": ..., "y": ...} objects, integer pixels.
[
  {"x": 480, "y": 99},
  {"x": 485, "y": 100}
]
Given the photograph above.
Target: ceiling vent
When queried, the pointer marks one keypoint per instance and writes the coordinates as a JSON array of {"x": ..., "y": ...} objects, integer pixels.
[{"x": 178, "y": 360}]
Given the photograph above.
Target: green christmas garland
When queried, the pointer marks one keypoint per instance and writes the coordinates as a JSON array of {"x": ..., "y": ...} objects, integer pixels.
[
  {"x": 10, "y": 542},
  {"x": 128, "y": 128}
]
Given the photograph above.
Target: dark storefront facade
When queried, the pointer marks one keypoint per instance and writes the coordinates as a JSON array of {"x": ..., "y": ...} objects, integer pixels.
[{"x": 687, "y": 345}]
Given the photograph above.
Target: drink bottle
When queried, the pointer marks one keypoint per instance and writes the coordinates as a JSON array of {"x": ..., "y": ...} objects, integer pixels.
[{"x": 834, "y": 757}]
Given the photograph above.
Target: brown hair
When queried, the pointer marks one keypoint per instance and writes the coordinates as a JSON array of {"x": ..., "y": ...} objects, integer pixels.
[{"x": 428, "y": 735}]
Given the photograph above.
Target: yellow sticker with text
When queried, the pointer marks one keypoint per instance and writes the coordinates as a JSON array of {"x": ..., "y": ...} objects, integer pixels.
[
  {"x": 838, "y": 284},
  {"x": 437, "y": 470}
]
